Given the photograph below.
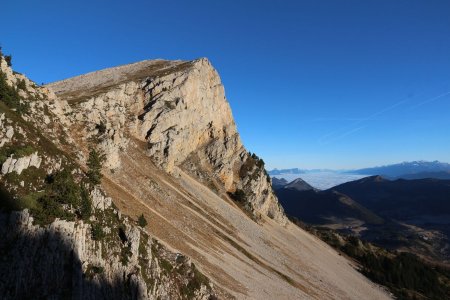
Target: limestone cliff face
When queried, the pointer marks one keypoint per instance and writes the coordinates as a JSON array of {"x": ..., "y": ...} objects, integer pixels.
[
  {"x": 179, "y": 109},
  {"x": 63, "y": 261}
]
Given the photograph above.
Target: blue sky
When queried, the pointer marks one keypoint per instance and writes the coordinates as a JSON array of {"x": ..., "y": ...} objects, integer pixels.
[{"x": 312, "y": 84}]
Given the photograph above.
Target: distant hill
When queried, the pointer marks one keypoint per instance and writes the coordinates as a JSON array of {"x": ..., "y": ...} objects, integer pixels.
[
  {"x": 400, "y": 199},
  {"x": 424, "y": 175},
  {"x": 324, "y": 207},
  {"x": 405, "y": 169},
  {"x": 406, "y": 215},
  {"x": 296, "y": 184},
  {"x": 299, "y": 185},
  {"x": 278, "y": 182}
]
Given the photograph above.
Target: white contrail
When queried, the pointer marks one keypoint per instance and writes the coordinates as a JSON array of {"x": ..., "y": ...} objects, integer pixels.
[
  {"x": 339, "y": 119},
  {"x": 343, "y": 135},
  {"x": 327, "y": 138},
  {"x": 429, "y": 100}
]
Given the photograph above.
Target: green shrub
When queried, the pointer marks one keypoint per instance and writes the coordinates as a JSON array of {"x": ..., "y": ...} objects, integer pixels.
[
  {"x": 8, "y": 59},
  {"x": 195, "y": 283},
  {"x": 165, "y": 265},
  {"x": 95, "y": 162},
  {"x": 252, "y": 168},
  {"x": 91, "y": 271},
  {"x": 47, "y": 210},
  {"x": 10, "y": 96},
  {"x": 47, "y": 204},
  {"x": 97, "y": 232},
  {"x": 142, "y": 221},
  {"x": 86, "y": 203},
  {"x": 125, "y": 255},
  {"x": 18, "y": 151},
  {"x": 29, "y": 201},
  {"x": 65, "y": 190},
  {"x": 21, "y": 85},
  {"x": 24, "y": 151}
]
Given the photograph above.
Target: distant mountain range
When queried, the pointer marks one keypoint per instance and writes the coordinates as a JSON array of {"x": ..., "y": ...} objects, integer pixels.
[
  {"x": 411, "y": 215},
  {"x": 423, "y": 175},
  {"x": 297, "y": 171},
  {"x": 405, "y": 170},
  {"x": 286, "y": 171},
  {"x": 409, "y": 170}
]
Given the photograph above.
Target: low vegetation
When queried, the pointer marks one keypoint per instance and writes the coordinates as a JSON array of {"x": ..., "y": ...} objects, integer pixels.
[
  {"x": 59, "y": 195},
  {"x": 94, "y": 163},
  {"x": 406, "y": 275},
  {"x": 196, "y": 280},
  {"x": 252, "y": 167},
  {"x": 16, "y": 150},
  {"x": 10, "y": 96},
  {"x": 92, "y": 271},
  {"x": 86, "y": 203},
  {"x": 62, "y": 190},
  {"x": 97, "y": 232},
  {"x": 142, "y": 221}
]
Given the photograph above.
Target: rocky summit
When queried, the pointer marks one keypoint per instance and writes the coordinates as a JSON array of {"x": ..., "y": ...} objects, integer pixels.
[{"x": 182, "y": 210}]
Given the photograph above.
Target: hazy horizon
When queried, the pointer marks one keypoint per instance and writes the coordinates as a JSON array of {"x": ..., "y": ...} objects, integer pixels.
[
  {"x": 350, "y": 169},
  {"x": 338, "y": 85}
]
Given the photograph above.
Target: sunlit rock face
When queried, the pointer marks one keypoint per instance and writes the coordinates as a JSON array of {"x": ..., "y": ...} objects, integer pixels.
[{"x": 179, "y": 109}]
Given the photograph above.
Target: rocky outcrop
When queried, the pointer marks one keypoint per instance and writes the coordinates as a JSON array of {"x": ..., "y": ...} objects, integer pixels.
[
  {"x": 29, "y": 90},
  {"x": 179, "y": 109},
  {"x": 18, "y": 165},
  {"x": 62, "y": 260}
]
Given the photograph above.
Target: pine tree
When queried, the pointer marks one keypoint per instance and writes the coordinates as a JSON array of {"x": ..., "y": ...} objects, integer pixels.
[
  {"x": 8, "y": 59},
  {"x": 142, "y": 221},
  {"x": 64, "y": 188},
  {"x": 94, "y": 163},
  {"x": 86, "y": 203}
]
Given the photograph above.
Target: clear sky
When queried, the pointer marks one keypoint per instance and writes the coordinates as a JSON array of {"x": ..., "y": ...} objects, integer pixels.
[{"x": 312, "y": 84}]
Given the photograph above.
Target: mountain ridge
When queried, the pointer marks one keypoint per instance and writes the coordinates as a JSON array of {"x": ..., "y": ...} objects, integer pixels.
[
  {"x": 400, "y": 214},
  {"x": 404, "y": 168},
  {"x": 173, "y": 156}
]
